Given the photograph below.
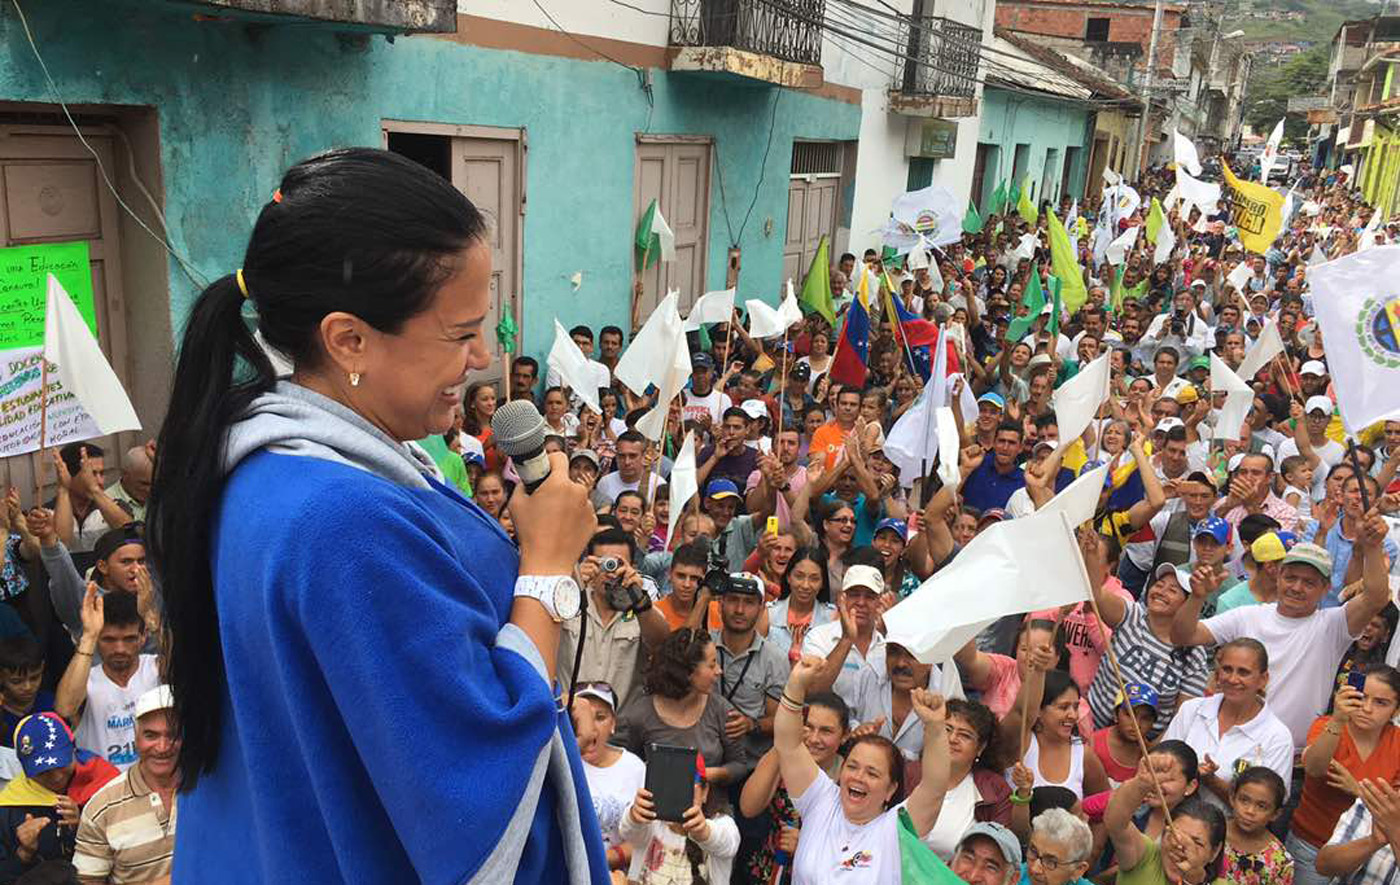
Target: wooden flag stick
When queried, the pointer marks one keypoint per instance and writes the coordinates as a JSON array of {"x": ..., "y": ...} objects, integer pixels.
[
  {"x": 1288, "y": 382},
  {"x": 43, "y": 430}
]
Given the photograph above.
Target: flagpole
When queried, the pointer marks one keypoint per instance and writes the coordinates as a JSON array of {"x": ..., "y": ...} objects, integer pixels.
[
  {"x": 641, "y": 285},
  {"x": 43, "y": 429},
  {"x": 782, "y": 385},
  {"x": 1288, "y": 383}
]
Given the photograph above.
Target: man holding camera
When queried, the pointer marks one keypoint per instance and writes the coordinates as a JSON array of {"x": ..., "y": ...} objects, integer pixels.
[
  {"x": 620, "y": 613},
  {"x": 753, "y": 671},
  {"x": 1181, "y": 329}
]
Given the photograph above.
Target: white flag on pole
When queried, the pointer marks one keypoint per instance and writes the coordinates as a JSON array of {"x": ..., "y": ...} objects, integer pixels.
[
  {"x": 1080, "y": 499},
  {"x": 1356, "y": 300},
  {"x": 643, "y": 363},
  {"x": 1239, "y": 398},
  {"x": 573, "y": 368},
  {"x": 1184, "y": 152},
  {"x": 1017, "y": 565},
  {"x": 913, "y": 441},
  {"x": 1079, "y": 398},
  {"x": 1367, "y": 239},
  {"x": 1204, "y": 195},
  {"x": 1240, "y": 276},
  {"x": 1117, "y": 251},
  {"x": 683, "y": 484},
  {"x": 676, "y": 373},
  {"x": 81, "y": 367},
  {"x": 931, "y": 216},
  {"x": 1166, "y": 242},
  {"x": 664, "y": 235},
  {"x": 712, "y": 307},
  {"x": 1270, "y": 154},
  {"x": 1266, "y": 347},
  {"x": 767, "y": 322}
]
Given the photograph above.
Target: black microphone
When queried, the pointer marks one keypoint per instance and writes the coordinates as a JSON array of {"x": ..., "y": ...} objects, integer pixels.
[{"x": 520, "y": 431}]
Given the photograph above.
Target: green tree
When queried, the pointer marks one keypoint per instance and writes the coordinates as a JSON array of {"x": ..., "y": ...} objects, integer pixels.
[{"x": 1266, "y": 98}]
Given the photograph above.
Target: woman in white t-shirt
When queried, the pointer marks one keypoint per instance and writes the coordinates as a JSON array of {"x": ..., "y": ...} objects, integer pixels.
[
  {"x": 614, "y": 774},
  {"x": 850, "y": 827},
  {"x": 820, "y": 358}
]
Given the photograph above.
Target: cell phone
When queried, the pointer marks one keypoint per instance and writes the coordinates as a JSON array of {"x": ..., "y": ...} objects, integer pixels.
[
  {"x": 772, "y": 525},
  {"x": 1357, "y": 680},
  {"x": 671, "y": 780}
]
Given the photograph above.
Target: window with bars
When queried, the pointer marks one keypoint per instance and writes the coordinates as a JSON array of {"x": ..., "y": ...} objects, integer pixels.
[{"x": 816, "y": 158}]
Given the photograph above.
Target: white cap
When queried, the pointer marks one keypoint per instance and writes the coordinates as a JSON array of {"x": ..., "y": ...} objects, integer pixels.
[
  {"x": 1318, "y": 403},
  {"x": 1313, "y": 367},
  {"x": 754, "y": 408},
  {"x": 158, "y": 698},
  {"x": 865, "y": 576},
  {"x": 1167, "y": 424}
]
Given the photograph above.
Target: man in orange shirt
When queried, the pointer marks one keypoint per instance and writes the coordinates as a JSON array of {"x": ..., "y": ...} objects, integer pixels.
[{"x": 830, "y": 438}]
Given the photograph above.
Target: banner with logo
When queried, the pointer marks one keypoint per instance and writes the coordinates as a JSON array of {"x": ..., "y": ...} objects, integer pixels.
[{"x": 1357, "y": 303}]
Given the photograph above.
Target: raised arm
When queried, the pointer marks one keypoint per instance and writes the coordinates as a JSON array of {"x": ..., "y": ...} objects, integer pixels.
[
  {"x": 795, "y": 763},
  {"x": 1318, "y": 755},
  {"x": 1028, "y": 699},
  {"x": 72, "y": 687},
  {"x": 830, "y": 666},
  {"x": 1375, "y": 569},
  {"x": 1187, "y": 629},
  {"x": 762, "y": 785},
  {"x": 1301, "y": 436},
  {"x": 1142, "y": 512},
  {"x": 926, "y": 801},
  {"x": 1129, "y": 843}
]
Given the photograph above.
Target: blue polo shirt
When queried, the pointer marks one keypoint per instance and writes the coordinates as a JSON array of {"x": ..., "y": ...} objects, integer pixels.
[
  {"x": 1340, "y": 547},
  {"x": 985, "y": 488}
]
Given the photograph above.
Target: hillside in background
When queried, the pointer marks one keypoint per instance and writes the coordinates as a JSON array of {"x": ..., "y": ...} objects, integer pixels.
[{"x": 1318, "y": 22}]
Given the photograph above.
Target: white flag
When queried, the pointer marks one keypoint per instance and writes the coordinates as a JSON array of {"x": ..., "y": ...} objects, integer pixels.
[
  {"x": 918, "y": 258},
  {"x": 676, "y": 373},
  {"x": 1014, "y": 566},
  {"x": 1185, "y": 153},
  {"x": 913, "y": 441},
  {"x": 931, "y": 216},
  {"x": 767, "y": 322},
  {"x": 1367, "y": 240},
  {"x": 683, "y": 485},
  {"x": 1239, "y": 398},
  {"x": 1270, "y": 154},
  {"x": 1266, "y": 347},
  {"x": 1073, "y": 214},
  {"x": 1111, "y": 177},
  {"x": 1317, "y": 257},
  {"x": 1240, "y": 276},
  {"x": 1356, "y": 299},
  {"x": 82, "y": 369},
  {"x": 1118, "y": 250},
  {"x": 1080, "y": 499},
  {"x": 1204, "y": 195},
  {"x": 712, "y": 307},
  {"x": 1166, "y": 242},
  {"x": 1079, "y": 398},
  {"x": 664, "y": 235},
  {"x": 573, "y": 367},
  {"x": 1025, "y": 250},
  {"x": 643, "y": 363}
]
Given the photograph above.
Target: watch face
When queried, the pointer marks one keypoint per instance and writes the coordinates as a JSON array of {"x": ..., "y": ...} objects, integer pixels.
[{"x": 566, "y": 598}]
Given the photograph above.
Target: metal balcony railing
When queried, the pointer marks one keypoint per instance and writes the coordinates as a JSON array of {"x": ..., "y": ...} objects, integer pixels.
[
  {"x": 786, "y": 29},
  {"x": 943, "y": 58}
]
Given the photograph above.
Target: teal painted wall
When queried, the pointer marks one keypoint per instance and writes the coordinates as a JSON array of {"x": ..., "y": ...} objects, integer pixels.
[
  {"x": 238, "y": 104},
  {"x": 1010, "y": 119}
]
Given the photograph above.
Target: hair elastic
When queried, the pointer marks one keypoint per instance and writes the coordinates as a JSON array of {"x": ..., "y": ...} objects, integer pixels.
[
  {"x": 277, "y": 195},
  {"x": 242, "y": 284}
]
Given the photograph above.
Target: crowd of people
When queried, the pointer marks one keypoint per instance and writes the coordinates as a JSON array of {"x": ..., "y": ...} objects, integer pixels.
[{"x": 1221, "y": 709}]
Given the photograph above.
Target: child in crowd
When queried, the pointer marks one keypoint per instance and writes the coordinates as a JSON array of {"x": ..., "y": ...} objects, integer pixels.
[
  {"x": 1253, "y": 855},
  {"x": 1298, "y": 481},
  {"x": 1117, "y": 744},
  {"x": 699, "y": 850},
  {"x": 21, "y": 671}
]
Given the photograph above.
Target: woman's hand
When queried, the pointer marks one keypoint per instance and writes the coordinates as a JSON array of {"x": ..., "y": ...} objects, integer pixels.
[
  {"x": 928, "y": 706},
  {"x": 554, "y": 523},
  {"x": 804, "y": 671},
  {"x": 67, "y": 812},
  {"x": 871, "y": 727},
  {"x": 1346, "y": 703},
  {"x": 787, "y": 839},
  {"x": 643, "y": 809},
  {"x": 1023, "y": 779},
  {"x": 1338, "y": 778}
]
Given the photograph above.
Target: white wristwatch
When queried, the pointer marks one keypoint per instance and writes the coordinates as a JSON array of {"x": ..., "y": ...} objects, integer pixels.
[{"x": 559, "y": 594}]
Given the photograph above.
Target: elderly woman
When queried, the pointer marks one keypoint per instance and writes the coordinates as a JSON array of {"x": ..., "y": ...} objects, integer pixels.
[{"x": 373, "y": 600}]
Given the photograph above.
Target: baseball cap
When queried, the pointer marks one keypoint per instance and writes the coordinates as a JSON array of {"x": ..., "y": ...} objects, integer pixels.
[
  {"x": 898, "y": 526},
  {"x": 1272, "y": 546},
  {"x": 586, "y": 455},
  {"x": 702, "y": 360},
  {"x": 1139, "y": 694},
  {"x": 865, "y": 576},
  {"x": 1313, "y": 367},
  {"x": 113, "y": 540},
  {"x": 474, "y": 458},
  {"x": 721, "y": 488},
  {"x": 1201, "y": 477},
  {"x": 1201, "y": 283},
  {"x": 755, "y": 409},
  {"x": 1198, "y": 362},
  {"x": 158, "y": 698},
  {"x": 1167, "y": 424},
  {"x": 600, "y": 690},
  {"x": 745, "y": 584},
  {"x": 1310, "y": 554},
  {"x": 1005, "y": 840},
  {"x": 1187, "y": 394},
  {"x": 1318, "y": 403},
  {"x": 43, "y": 743},
  {"x": 1215, "y": 527},
  {"x": 991, "y": 514},
  {"x": 1182, "y": 575},
  {"x": 801, "y": 372},
  {"x": 1044, "y": 444},
  {"x": 993, "y": 398}
]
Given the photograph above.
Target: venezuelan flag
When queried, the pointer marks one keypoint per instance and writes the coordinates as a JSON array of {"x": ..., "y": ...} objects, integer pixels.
[{"x": 849, "y": 365}]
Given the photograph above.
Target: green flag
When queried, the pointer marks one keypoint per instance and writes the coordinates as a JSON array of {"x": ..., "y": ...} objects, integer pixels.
[
  {"x": 1138, "y": 292},
  {"x": 972, "y": 222},
  {"x": 1013, "y": 192},
  {"x": 816, "y": 289},
  {"x": 1115, "y": 291},
  {"x": 1025, "y": 206},
  {"x": 1155, "y": 217},
  {"x": 998, "y": 199},
  {"x": 1065, "y": 264},
  {"x": 506, "y": 331},
  {"x": 1034, "y": 301},
  {"x": 917, "y": 862},
  {"x": 1053, "y": 327},
  {"x": 645, "y": 241}
]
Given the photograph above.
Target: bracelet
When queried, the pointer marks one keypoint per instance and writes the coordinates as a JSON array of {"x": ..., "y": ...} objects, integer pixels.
[
  {"x": 791, "y": 703},
  {"x": 78, "y": 651},
  {"x": 1017, "y": 800}
]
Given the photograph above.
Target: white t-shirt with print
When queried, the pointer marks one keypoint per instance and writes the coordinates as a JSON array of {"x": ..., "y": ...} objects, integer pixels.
[
  {"x": 715, "y": 403},
  {"x": 108, "y": 726},
  {"x": 834, "y": 851},
  {"x": 957, "y": 814}
]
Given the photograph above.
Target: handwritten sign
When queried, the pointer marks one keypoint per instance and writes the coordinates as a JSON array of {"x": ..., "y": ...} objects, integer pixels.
[
  {"x": 24, "y": 274},
  {"x": 21, "y": 372}
]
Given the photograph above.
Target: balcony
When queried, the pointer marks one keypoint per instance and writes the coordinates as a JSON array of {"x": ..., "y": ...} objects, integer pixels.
[
  {"x": 939, "y": 79},
  {"x": 772, "y": 41},
  {"x": 378, "y": 16}
]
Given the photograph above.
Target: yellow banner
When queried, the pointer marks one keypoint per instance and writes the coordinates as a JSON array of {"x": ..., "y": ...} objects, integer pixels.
[{"x": 1256, "y": 211}]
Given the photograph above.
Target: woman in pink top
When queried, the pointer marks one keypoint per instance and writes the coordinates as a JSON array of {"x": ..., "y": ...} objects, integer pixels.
[{"x": 999, "y": 677}]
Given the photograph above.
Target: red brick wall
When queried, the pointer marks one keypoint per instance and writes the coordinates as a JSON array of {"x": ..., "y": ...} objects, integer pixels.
[{"x": 1062, "y": 19}]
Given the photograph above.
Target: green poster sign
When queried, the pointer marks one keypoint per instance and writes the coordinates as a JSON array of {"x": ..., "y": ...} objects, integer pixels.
[{"x": 24, "y": 273}]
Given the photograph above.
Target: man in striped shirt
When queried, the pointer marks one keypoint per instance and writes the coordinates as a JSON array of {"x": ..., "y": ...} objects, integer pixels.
[{"x": 127, "y": 832}]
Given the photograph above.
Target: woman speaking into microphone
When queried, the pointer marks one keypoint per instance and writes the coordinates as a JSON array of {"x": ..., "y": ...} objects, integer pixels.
[{"x": 362, "y": 661}]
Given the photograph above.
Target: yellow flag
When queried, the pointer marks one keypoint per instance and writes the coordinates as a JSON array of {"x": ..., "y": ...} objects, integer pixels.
[
  {"x": 1257, "y": 211},
  {"x": 1064, "y": 264},
  {"x": 1025, "y": 205}
]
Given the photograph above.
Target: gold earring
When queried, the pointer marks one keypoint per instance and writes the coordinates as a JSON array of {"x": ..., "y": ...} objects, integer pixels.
[{"x": 354, "y": 379}]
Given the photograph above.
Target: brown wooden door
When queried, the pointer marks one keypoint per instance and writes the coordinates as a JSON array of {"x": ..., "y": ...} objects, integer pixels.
[
  {"x": 677, "y": 176},
  {"x": 811, "y": 215},
  {"x": 488, "y": 171},
  {"x": 51, "y": 191}
]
